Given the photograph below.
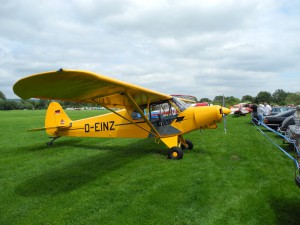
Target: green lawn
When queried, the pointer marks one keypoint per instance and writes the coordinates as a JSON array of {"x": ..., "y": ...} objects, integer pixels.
[{"x": 237, "y": 178}]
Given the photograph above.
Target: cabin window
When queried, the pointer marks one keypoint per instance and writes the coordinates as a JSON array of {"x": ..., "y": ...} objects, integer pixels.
[
  {"x": 162, "y": 113},
  {"x": 135, "y": 115}
]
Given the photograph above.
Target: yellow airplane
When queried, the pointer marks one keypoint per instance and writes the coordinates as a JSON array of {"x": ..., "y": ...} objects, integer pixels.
[{"x": 136, "y": 112}]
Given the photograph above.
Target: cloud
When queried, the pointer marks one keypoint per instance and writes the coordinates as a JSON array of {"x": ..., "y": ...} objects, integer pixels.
[
  {"x": 203, "y": 48},
  {"x": 187, "y": 18}
]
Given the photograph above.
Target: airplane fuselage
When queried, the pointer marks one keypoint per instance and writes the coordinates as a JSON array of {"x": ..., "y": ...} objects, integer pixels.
[{"x": 122, "y": 125}]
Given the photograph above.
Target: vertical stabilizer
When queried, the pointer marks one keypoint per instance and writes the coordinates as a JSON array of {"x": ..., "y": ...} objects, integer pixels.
[{"x": 56, "y": 117}]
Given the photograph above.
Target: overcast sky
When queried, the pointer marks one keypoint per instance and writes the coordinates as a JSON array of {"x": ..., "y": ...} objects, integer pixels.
[{"x": 203, "y": 48}]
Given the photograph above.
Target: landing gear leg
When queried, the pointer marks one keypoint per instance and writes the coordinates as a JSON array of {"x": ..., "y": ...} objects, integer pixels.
[
  {"x": 184, "y": 143},
  {"x": 53, "y": 139},
  {"x": 189, "y": 145}
]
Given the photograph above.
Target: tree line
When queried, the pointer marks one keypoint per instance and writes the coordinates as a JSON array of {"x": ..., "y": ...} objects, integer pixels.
[{"x": 279, "y": 97}]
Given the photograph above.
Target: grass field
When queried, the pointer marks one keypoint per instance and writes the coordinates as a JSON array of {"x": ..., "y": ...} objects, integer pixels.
[{"x": 237, "y": 178}]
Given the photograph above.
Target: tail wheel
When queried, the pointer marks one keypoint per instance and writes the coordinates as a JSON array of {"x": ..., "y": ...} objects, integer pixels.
[
  {"x": 189, "y": 145},
  {"x": 175, "y": 153}
]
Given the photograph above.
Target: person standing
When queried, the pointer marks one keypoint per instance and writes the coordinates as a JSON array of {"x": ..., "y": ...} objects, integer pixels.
[
  {"x": 297, "y": 120},
  {"x": 268, "y": 109},
  {"x": 260, "y": 113},
  {"x": 297, "y": 137},
  {"x": 297, "y": 127}
]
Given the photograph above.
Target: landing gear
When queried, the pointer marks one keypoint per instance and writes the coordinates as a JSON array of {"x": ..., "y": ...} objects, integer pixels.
[
  {"x": 189, "y": 145},
  {"x": 175, "y": 153},
  {"x": 53, "y": 139},
  {"x": 176, "y": 145}
]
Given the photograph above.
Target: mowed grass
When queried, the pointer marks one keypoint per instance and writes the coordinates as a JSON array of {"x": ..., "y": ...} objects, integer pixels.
[{"x": 233, "y": 178}]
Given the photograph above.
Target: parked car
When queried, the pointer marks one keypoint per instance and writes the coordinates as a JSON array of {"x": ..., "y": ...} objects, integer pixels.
[
  {"x": 276, "y": 120},
  {"x": 286, "y": 123},
  {"x": 241, "y": 109},
  {"x": 279, "y": 109}
]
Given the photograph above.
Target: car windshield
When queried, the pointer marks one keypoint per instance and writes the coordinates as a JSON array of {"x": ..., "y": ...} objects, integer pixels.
[
  {"x": 286, "y": 113},
  {"x": 281, "y": 109}
]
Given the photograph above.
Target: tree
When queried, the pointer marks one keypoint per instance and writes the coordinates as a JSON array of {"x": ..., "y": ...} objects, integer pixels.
[
  {"x": 26, "y": 104},
  {"x": 231, "y": 100},
  {"x": 263, "y": 96},
  {"x": 2, "y": 104},
  {"x": 218, "y": 100},
  {"x": 279, "y": 96},
  {"x": 247, "y": 98},
  {"x": 293, "y": 99},
  {"x": 9, "y": 105},
  {"x": 2, "y": 96},
  {"x": 205, "y": 100},
  {"x": 42, "y": 104}
]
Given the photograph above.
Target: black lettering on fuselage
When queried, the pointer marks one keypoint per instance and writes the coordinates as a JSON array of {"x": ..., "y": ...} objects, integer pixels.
[
  {"x": 112, "y": 125},
  {"x": 105, "y": 126},
  {"x": 86, "y": 128},
  {"x": 97, "y": 127},
  {"x": 100, "y": 126}
]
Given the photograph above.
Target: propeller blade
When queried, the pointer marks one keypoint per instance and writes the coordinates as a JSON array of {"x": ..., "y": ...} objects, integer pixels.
[{"x": 224, "y": 115}]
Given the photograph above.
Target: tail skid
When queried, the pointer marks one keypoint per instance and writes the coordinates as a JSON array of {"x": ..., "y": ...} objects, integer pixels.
[{"x": 53, "y": 139}]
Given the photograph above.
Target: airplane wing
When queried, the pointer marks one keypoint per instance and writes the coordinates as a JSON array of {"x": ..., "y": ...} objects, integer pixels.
[{"x": 84, "y": 86}]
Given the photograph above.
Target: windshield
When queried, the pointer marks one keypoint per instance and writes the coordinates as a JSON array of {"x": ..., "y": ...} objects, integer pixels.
[
  {"x": 180, "y": 104},
  {"x": 286, "y": 113}
]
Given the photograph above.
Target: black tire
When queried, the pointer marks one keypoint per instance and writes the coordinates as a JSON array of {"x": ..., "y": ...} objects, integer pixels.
[
  {"x": 175, "y": 153},
  {"x": 189, "y": 143},
  {"x": 297, "y": 180}
]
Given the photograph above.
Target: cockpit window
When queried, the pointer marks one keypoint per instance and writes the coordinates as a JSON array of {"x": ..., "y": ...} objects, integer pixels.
[
  {"x": 161, "y": 112},
  {"x": 162, "y": 108}
]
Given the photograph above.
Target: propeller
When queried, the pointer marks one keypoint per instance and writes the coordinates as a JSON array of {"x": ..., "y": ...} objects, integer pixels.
[{"x": 224, "y": 115}]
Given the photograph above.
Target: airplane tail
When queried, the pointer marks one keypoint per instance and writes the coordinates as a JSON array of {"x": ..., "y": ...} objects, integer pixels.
[{"x": 56, "y": 118}]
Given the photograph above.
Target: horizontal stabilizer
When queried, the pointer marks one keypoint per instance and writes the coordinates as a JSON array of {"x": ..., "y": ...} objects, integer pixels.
[{"x": 47, "y": 128}]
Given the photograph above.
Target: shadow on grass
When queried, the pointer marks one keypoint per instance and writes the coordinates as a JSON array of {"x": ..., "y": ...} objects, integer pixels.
[
  {"x": 289, "y": 148},
  {"x": 72, "y": 142},
  {"x": 287, "y": 211},
  {"x": 69, "y": 177}
]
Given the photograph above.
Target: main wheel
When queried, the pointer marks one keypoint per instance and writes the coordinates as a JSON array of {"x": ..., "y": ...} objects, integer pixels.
[
  {"x": 189, "y": 145},
  {"x": 175, "y": 153}
]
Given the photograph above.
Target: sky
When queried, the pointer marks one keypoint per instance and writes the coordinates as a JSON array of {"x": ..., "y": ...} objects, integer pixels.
[{"x": 204, "y": 48}]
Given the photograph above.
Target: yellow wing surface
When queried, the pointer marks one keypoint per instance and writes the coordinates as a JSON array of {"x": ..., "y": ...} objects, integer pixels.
[{"x": 84, "y": 86}]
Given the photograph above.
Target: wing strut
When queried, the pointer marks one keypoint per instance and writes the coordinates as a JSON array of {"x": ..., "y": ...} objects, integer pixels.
[
  {"x": 126, "y": 118},
  {"x": 141, "y": 113}
]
